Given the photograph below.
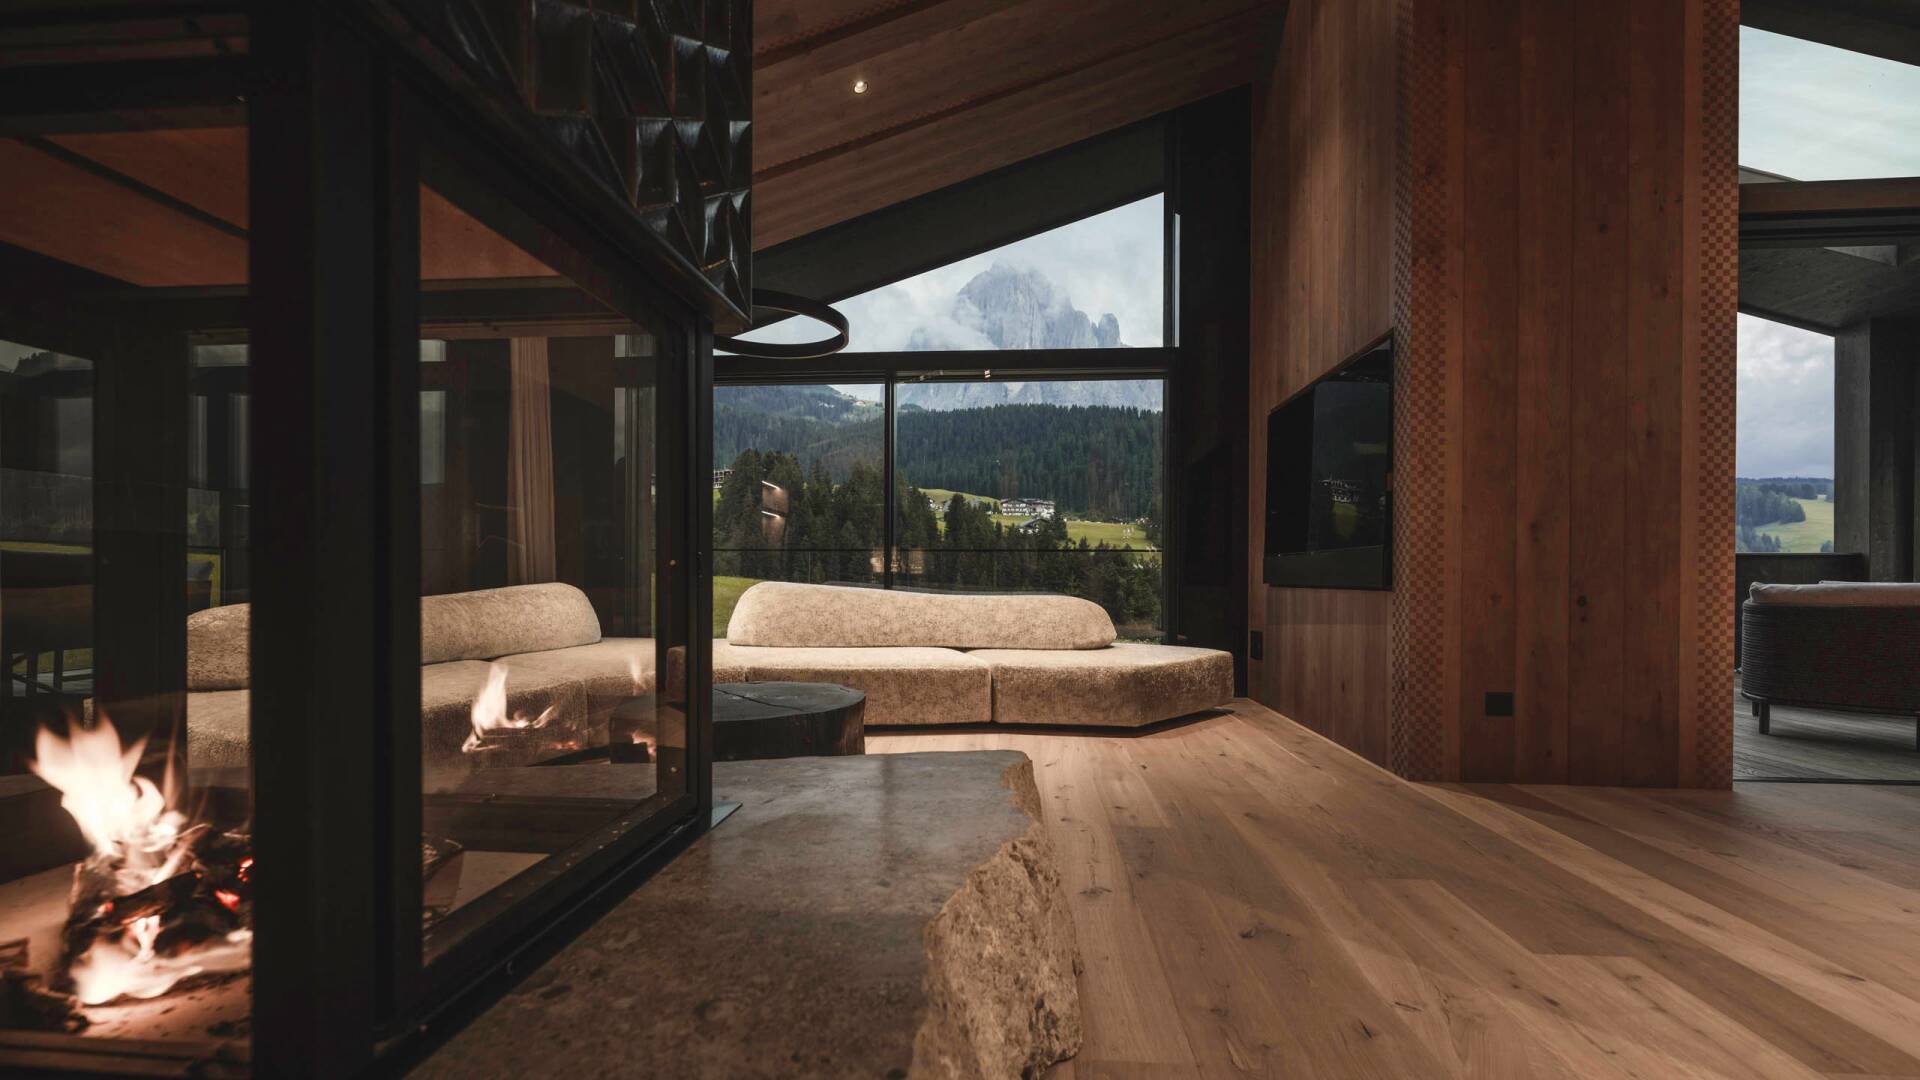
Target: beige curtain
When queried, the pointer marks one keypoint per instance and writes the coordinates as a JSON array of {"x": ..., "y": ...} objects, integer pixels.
[{"x": 530, "y": 465}]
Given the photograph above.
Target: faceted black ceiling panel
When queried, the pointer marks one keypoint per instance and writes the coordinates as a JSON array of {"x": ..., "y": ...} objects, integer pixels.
[{"x": 652, "y": 98}]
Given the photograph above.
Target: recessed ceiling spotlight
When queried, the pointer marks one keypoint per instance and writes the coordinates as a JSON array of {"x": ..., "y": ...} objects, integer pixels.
[{"x": 859, "y": 86}]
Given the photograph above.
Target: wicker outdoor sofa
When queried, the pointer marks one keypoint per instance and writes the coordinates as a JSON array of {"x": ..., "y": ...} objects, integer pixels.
[{"x": 1838, "y": 645}]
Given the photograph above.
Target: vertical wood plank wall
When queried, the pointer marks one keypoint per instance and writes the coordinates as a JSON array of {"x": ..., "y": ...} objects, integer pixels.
[
  {"x": 1322, "y": 289},
  {"x": 1562, "y": 288}
]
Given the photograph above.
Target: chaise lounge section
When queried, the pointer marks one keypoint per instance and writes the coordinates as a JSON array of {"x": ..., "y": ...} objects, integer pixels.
[{"x": 943, "y": 658}]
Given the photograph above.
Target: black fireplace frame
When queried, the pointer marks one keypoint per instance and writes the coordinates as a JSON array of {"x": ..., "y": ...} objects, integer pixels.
[{"x": 343, "y": 100}]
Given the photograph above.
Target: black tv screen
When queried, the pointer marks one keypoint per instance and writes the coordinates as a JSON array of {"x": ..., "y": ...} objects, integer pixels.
[{"x": 1329, "y": 478}]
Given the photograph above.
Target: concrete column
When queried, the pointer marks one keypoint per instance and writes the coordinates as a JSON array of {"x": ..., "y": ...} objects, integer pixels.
[{"x": 1876, "y": 463}]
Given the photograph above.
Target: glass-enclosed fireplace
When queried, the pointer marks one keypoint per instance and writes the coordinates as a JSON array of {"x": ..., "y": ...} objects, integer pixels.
[{"x": 355, "y": 361}]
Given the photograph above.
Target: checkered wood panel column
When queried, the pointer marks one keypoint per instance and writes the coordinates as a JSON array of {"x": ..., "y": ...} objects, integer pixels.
[
  {"x": 1418, "y": 708},
  {"x": 1713, "y": 387}
]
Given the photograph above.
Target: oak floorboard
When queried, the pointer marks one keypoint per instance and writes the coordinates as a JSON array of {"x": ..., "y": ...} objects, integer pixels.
[{"x": 1253, "y": 900}]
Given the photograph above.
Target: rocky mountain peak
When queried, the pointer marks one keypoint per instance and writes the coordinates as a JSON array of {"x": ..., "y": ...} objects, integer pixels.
[{"x": 1021, "y": 309}]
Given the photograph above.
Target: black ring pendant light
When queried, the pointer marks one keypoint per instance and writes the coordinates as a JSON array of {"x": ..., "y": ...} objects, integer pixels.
[{"x": 768, "y": 300}]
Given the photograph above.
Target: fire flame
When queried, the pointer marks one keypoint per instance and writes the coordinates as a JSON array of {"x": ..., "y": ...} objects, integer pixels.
[
  {"x": 131, "y": 968},
  {"x": 139, "y": 839},
  {"x": 125, "y": 817},
  {"x": 490, "y": 711}
]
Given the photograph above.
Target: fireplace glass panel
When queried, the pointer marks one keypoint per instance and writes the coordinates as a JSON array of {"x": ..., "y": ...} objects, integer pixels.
[
  {"x": 125, "y": 799},
  {"x": 553, "y": 667}
]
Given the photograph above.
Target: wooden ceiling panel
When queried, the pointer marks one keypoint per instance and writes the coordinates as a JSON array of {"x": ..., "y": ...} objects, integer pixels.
[
  {"x": 806, "y": 105},
  {"x": 65, "y": 211},
  {"x": 1009, "y": 122},
  {"x": 206, "y": 168}
]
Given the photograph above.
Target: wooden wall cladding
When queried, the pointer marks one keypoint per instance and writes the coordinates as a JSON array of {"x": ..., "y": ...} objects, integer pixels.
[
  {"x": 1561, "y": 233},
  {"x": 1322, "y": 289},
  {"x": 1589, "y": 439}
]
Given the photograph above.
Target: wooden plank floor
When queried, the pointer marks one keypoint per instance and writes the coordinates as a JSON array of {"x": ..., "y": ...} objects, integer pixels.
[
  {"x": 1817, "y": 744},
  {"x": 1252, "y": 900}
]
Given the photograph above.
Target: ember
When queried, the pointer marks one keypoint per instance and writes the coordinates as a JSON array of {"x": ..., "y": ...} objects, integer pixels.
[{"x": 160, "y": 899}]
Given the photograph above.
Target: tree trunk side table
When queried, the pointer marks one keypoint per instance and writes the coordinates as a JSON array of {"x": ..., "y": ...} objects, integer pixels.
[{"x": 787, "y": 719}]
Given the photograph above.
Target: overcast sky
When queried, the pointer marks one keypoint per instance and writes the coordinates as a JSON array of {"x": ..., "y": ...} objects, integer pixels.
[
  {"x": 1110, "y": 262},
  {"x": 1785, "y": 422},
  {"x": 1811, "y": 112},
  {"x": 1814, "y": 112}
]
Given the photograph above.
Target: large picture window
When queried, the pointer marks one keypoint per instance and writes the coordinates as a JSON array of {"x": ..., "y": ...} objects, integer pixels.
[
  {"x": 913, "y": 461},
  {"x": 1784, "y": 458},
  {"x": 1040, "y": 486},
  {"x": 1043, "y": 485},
  {"x": 799, "y": 487},
  {"x": 1097, "y": 283}
]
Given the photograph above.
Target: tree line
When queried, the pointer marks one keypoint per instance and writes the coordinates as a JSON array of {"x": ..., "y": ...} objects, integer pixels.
[{"x": 1094, "y": 462}]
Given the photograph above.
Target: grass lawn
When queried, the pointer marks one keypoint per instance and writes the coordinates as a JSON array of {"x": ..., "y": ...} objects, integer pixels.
[
  {"x": 942, "y": 496},
  {"x": 1805, "y": 535},
  {"x": 1093, "y": 532},
  {"x": 726, "y": 593}
]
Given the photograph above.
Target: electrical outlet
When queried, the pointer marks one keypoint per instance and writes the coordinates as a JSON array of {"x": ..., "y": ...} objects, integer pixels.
[
  {"x": 1256, "y": 644},
  {"x": 1499, "y": 703}
]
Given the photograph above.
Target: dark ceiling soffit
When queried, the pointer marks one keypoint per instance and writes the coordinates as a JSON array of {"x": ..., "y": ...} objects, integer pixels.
[
  {"x": 204, "y": 91},
  {"x": 1885, "y": 28},
  {"x": 966, "y": 365},
  {"x": 971, "y": 217},
  {"x": 1787, "y": 319}
]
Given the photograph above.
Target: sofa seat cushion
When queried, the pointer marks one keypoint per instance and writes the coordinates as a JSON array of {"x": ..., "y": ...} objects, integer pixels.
[
  {"x": 1838, "y": 594},
  {"x": 786, "y": 615},
  {"x": 610, "y": 670},
  {"x": 217, "y": 727},
  {"x": 903, "y": 685},
  {"x": 1119, "y": 686},
  {"x": 447, "y": 694},
  {"x": 217, "y": 720}
]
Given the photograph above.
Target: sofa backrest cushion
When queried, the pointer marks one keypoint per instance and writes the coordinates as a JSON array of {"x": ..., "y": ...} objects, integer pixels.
[
  {"x": 487, "y": 623},
  {"x": 778, "y": 613},
  {"x": 217, "y": 648},
  {"x": 1838, "y": 594},
  {"x": 479, "y": 625}
]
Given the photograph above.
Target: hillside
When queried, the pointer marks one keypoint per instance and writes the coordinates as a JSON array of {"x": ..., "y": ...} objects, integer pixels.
[{"x": 1097, "y": 461}]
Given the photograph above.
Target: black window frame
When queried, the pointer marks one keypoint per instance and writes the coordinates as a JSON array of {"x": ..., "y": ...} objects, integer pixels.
[{"x": 890, "y": 369}]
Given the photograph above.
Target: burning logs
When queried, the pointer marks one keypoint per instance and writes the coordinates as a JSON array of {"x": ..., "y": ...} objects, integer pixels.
[
  {"x": 194, "y": 922},
  {"x": 159, "y": 899}
]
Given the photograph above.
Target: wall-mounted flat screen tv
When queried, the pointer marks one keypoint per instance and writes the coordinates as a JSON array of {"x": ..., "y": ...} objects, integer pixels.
[{"x": 1330, "y": 478}]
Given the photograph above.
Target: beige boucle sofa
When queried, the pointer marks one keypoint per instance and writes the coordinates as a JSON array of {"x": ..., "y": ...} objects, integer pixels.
[
  {"x": 943, "y": 658},
  {"x": 921, "y": 658},
  {"x": 546, "y": 636}
]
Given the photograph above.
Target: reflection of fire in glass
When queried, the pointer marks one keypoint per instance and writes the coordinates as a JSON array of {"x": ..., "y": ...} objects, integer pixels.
[
  {"x": 490, "y": 718},
  {"x": 160, "y": 898}
]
